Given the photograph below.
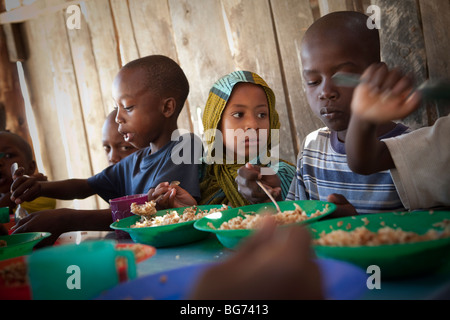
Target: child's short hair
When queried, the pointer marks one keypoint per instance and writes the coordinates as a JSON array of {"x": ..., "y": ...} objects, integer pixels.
[
  {"x": 349, "y": 25},
  {"x": 22, "y": 143},
  {"x": 164, "y": 76}
]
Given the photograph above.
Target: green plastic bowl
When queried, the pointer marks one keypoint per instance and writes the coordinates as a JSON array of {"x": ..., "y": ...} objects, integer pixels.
[
  {"x": 20, "y": 244},
  {"x": 163, "y": 236},
  {"x": 394, "y": 260},
  {"x": 231, "y": 238}
]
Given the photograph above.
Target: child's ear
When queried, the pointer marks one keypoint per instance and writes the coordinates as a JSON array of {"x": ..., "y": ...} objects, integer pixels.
[{"x": 169, "y": 107}]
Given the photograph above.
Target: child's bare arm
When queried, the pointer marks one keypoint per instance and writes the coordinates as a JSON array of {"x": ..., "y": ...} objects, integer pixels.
[
  {"x": 382, "y": 96},
  {"x": 64, "y": 220},
  {"x": 26, "y": 188},
  {"x": 366, "y": 154}
]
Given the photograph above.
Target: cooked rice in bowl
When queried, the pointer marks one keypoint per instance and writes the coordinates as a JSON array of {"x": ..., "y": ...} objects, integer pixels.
[
  {"x": 172, "y": 217},
  {"x": 255, "y": 221},
  {"x": 362, "y": 236}
]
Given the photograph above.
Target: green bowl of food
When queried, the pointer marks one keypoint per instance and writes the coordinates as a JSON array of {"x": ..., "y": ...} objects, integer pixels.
[
  {"x": 21, "y": 244},
  {"x": 234, "y": 225},
  {"x": 401, "y": 244},
  {"x": 168, "y": 228}
]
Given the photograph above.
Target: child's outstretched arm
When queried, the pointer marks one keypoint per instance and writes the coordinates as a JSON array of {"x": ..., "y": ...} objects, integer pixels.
[
  {"x": 383, "y": 95},
  {"x": 27, "y": 188},
  {"x": 63, "y": 220}
]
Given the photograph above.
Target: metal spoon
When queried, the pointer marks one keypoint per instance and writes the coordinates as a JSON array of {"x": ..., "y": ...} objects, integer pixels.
[
  {"x": 14, "y": 168},
  {"x": 430, "y": 89},
  {"x": 20, "y": 212},
  {"x": 269, "y": 195}
]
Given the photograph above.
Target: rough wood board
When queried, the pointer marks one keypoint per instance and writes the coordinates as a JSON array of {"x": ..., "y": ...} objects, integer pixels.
[
  {"x": 435, "y": 29},
  {"x": 292, "y": 19},
  {"x": 402, "y": 45},
  {"x": 152, "y": 24},
  {"x": 255, "y": 50},
  {"x": 34, "y": 10},
  {"x": 124, "y": 31},
  {"x": 327, "y": 6},
  {"x": 40, "y": 84},
  {"x": 104, "y": 44},
  {"x": 10, "y": 94},
  {"x": 89, "y": 91},
  {"x": 152, "y": 27},
  {"x": 14, "y": 38},
  {"x": 63, "y": 103},
  {"x": 204, "y": 58},
  {"x": 67, "y": 101}
]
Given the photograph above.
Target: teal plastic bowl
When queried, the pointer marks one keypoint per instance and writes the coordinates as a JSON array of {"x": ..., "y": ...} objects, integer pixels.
[
  {"x": 231, "y": 238},
  {"x": 21, "y": 244},
  {"x": 163, "y": 236},
  {"x": 394, "y": 260}
]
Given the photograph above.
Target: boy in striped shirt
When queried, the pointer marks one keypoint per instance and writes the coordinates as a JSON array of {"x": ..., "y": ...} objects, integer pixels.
[{"x": 339, "y": 42}]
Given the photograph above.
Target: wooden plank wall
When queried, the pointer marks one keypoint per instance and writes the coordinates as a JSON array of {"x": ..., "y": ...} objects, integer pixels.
[
  {"x": 12, "y": 108},
  {"x": 69, "y": 72},
  {"x": 437, "y": 45}
]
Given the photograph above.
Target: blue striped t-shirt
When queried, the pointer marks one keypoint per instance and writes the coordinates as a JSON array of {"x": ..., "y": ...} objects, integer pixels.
[{"x": 322, "y": 169}]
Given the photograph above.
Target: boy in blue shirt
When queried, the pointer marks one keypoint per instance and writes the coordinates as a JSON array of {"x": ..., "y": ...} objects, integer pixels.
[
  {"x": 337, "y": 42},
  {"x": 149, "y": 94}
]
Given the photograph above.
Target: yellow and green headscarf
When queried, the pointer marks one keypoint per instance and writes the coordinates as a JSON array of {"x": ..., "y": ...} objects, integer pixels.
[{"x": 218, "y": 185}]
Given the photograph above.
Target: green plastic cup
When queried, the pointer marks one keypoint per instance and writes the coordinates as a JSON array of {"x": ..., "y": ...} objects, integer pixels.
[{"x": 76, "y": 272}]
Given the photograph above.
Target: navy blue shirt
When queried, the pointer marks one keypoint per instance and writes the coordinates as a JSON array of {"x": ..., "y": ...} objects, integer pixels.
[{"x": 143, "y": 170}]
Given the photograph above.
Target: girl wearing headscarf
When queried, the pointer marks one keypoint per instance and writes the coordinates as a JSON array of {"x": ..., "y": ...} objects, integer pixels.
[
  {"x": 238, "y": 118},
  {"x": 239, "y": 100}
]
